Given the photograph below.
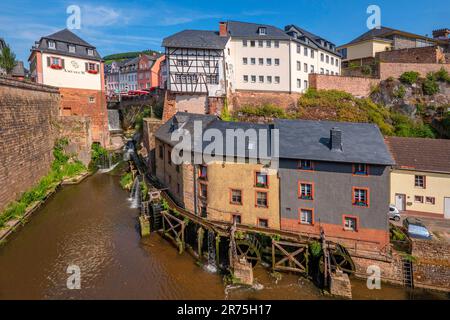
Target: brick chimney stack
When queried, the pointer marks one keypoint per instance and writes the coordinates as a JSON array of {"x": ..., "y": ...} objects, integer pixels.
[
  {"x": 223, "y": 30},
  {"x": 441, "y": 33}
]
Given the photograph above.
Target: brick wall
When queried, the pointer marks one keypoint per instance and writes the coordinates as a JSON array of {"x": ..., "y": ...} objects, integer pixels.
[
  {"x": 413, "y": 55},
  {"x": 150, "y": 127},
  {"x": 395, "y": 70},
  {"x": 90, "y": 103},
  {"x": 357, "y": 86},
  {"x": 284, "y": 100},
  {"x": 28, "y": 113},
  {"x": 77, "y": 129}
]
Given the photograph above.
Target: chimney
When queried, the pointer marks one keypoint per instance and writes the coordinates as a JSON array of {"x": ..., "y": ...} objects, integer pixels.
[
  {"x": 336, "y": 139},
  {"x": 223, "y": 32}
]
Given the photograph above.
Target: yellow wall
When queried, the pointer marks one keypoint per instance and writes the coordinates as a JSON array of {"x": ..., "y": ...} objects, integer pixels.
[
  {"x": 437, "y": 186},
  {"x": 366, "y": 49},
  {"x": 221, "y": 179}
]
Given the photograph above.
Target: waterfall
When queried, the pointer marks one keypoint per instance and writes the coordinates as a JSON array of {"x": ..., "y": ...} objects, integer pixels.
[
  {"x": 114, "y": 120},
  {"x": 211, "y": 266},
  {"x": 109, "y": 162},
  {"x": 135, "y": 195}
]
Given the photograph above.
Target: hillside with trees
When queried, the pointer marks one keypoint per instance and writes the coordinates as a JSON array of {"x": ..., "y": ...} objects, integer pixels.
[{"x": 126, "y": 55}]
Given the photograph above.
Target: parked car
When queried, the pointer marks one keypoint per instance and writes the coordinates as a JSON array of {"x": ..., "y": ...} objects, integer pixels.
[
  {"x": 416, "y": 229},
  {"x": 394, "y": 213}
]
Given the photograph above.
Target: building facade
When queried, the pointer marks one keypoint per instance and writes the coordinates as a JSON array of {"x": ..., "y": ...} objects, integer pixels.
[
  {"x": 148, "y": 70},
  {"x": 334, "y": 177},
  {"x": 420, "y": 181},
  {"x": 66, "y": 61}
]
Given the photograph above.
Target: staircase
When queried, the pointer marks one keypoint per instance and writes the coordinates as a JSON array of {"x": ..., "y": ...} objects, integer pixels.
[{"x": 408, "y": 277}]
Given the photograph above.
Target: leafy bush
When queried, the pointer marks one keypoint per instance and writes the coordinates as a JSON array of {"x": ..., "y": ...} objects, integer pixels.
[
  {"x": 405, "y": 127},
  {"x": 400, "y": 92},
  {"x": 126, "y": 181},
  {"x": 315, "y": 248},
  {"x": 430, "y": 85},
  {"x": 442, "y": 75},
  {"x": 409, "y": 77},
  {"x": 225, "y": 113},
  {"x": 366, "y": 69}
]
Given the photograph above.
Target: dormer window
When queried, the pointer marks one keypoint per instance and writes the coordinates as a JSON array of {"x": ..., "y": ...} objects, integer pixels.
[
  {"x": 262, "y": 31},
  {"x": 71, "y": 48},
  {"x": 90, "y": 52},
  {"x": 52, "y": 45}
]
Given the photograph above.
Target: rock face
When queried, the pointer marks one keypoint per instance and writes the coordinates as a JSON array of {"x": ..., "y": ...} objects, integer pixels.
[
  {"x": 406, "y": 99},
  {"x": 340, "y": 285}
]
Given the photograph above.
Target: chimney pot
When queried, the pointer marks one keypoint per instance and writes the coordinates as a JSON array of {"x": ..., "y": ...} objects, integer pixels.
[{"x": 336, "y": 139}]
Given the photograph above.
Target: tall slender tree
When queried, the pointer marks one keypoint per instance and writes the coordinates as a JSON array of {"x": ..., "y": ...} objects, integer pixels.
[{"x": 7, "y": 59}]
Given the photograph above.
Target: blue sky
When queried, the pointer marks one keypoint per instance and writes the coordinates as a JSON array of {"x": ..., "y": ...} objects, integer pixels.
[{"x": 117, "y": 26}]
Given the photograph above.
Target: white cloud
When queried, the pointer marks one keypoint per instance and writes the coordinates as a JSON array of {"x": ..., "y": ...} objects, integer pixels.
[{"x": 101, "y": 16}]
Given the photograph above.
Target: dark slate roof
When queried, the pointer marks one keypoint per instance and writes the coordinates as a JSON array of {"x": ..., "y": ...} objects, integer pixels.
[
  {"x": 420, "y": 153},
  {"x": 314, "y": 40},
  {"x": 62, "y": 39},
  {"x": 250, "y": 30},
  {"x": 209, "y": 122},
  {"x": 383, "y": 32},
  {"x": 200, "y": 39},
  {"x": 19, "y": 70},
  {"x": 310, "y": 140}
]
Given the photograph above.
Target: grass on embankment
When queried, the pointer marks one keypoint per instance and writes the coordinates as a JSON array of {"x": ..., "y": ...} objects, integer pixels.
[{"x": 64, "y": 166}]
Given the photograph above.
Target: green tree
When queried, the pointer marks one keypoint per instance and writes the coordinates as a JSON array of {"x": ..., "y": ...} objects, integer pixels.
[{"x": 7, "y": 59}]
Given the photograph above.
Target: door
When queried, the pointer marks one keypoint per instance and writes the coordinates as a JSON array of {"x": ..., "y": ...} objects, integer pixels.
[
  {"x": 400, "y": 201},
  {"x": 447, "y": 208}
]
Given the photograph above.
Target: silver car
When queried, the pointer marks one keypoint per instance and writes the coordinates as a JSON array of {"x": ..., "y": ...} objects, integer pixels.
[{"x": 394, "y": 213}]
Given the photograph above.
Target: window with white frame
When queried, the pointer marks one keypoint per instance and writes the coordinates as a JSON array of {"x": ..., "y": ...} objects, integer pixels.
[
  {"x": 350, "y": 223},
  {"x": 299, "y": 66},
  {"x": 252, "y": 43},
  {"x": 306, "y": 216},
  {"x": 51, "y": 45},
  {"x": 305, "y": 67},
  {"x": 261, "y": 61},
  {"x": 244, "y": 60},
  {"x": 276, "y": 44},
  {"x": 277, "y": 62},
  {"x": 322, "y": 57},
  {"x": 312, "y": 53},
  {"x": 305, "y": 51},
  {"x": 269, "y": 79},
  {"x": 312, "y": 68},
  {"x": 245, "y": 78},
  {"x": 305, "y": 84},
  {"x": 71, "y": 48},
  {"x": 299, "y": 83},
  {"x": 253, "y": 60},
  {"x": 90, "y": 52},
  {"x": 253, "y": 79},
  {"x": 261, "y": 79},
  {"x": 262, "y": 31},
  {"x": 260, "y": 43},
  {"x": 299, "y": 48},
  {"x": 268, "y": 43},
  {"x": 277, "y": 79},
  {"x": 244, "y": 43},
  {"x": 269, "y": 61}
]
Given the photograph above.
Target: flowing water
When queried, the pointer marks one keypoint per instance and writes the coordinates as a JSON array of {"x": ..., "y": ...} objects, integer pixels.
[{"x": 92, "y": 225}]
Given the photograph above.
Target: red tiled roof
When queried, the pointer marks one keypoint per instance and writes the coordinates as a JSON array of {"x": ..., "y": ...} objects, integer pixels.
[{"x": 420, "y": 153}]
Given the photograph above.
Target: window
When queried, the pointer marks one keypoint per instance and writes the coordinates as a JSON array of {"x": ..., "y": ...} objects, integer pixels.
[
  {"x": 268, "y": 43},
  {"x": 269, "y": 61},
  {"x": 253, "y": 61},
  {"x": 261, "y": 199},
  {"x": 260, "y": 43},
  {"x": 305, "y": 84},
  {"x": 252, "y": 43},
  {"x": 253, "y": 79},
  {"x": 332, "y": 73},
  {"x": 244, "y": 43},
  {"x": 337, "y": 62},
  {"x": 261, "y": 79},
  {"x": 327, "y": 59},
  {"x": 299, "y": 66},
  {"x": 305, "y": 51},
  {"x": 312, "y": 53},
  {"x": 261, "y": 61},
  {"x": 327, "y": 71},
  {"x": 306, "y": 191},
  {"x": 236, "y": 196},
  {"x": 262, "y": 31},
  {"x": 321, "y": 71},
  {"x": 332, "y": 60},
  {"x": 236, "y": 218},
  {"x": 418, "y": 199},
  {"x": 305, "y": 165},
  {"x": 203, "y": 172},
  {"x": 55, "y": 62},
  {"x": 71, "y": 48},
  {"x": 430, "y": 200},
  {"x": 360, "y": 169},
  {"x": 299, "y": 48},
  {"x": 299, "y": 83},
  {"x": 183, "y": 63},
  {"x": 306, "y": 216},
  {"x": 244, "y": 60},
  {"x": 350, "y": 223},
  {"x": 203, "y": 211},
  {"x": 312, "y": 68},
  {"x": 305, "y": 67},
  {"x": 245, "y": 78},
  {"x": 269, "y": 79},
  {"x": 276, "y": 44},
  {"x": 419, "y": 181},
  {"x": 277, "y": 79},
  {"x": 322, "y": 57},
  {"x": 91, "y": 99},
  {"x": 277, "y": 62},
  {"x": 210, "y": 79},
  {"x": 203, "y": 190},
  {"x": 263, "y": 223},
  {"x": 261, "y": 180},
  {"x": 90, "y": 52},
  {"x": 52, "y": 45},
  {"x": 361, "y": 197}
]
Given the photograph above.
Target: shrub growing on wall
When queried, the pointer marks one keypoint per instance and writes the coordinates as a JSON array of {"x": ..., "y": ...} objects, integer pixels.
[
  {"x": 430, "y": 85},
  {"x": 409, "y": 77}
]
